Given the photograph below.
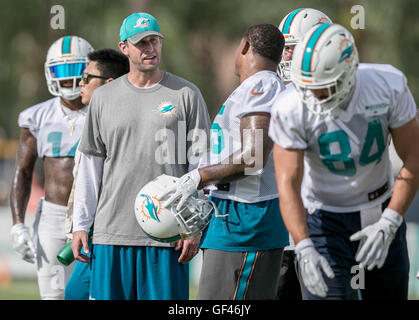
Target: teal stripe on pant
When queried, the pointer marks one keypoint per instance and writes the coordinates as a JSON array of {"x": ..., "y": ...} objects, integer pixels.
[
  {"x": 245, "y": 276},
  {"x": 138, "y": 273}
]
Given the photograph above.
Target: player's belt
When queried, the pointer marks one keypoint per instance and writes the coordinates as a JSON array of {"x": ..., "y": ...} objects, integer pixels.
[
  {"x": 223, "y": 186},
  {"x": 378, "y": 193}
]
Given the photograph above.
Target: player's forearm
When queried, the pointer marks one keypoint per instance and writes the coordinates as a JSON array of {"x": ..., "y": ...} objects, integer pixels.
[
  {"x": 237, "y": 166},
  {"x": 292, "y": 211},
  {"x": 19, "y": 195},
  {"x": 220, "y": 173},
  {"x": 289, "y": 172},
  {"x": 405, "y": 188}
]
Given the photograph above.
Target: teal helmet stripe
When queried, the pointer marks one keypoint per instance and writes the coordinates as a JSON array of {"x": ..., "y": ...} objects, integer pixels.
[
  {"x": 288, "y": 21},
  {"x": 171, "y": 239},
  {"x": 66, "y": 48},
  {"x": 309, "y": 49}
]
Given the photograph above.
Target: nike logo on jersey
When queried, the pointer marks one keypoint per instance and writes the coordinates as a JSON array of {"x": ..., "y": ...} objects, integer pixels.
[{"x": 253, "y": 92}]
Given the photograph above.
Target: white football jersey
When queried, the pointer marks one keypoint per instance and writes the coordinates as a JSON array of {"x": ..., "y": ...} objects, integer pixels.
[
  {"x": 346, "y": 159},
  {"x": 56, "y": 128},
  {"x": 256, "y": 94}
]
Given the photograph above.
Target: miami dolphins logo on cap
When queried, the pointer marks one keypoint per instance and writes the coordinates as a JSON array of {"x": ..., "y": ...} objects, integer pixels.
[
  {"x": 150, "y": 207},
  {"x": 142, "y": 23},
  {"x": 166, "y": 109}
]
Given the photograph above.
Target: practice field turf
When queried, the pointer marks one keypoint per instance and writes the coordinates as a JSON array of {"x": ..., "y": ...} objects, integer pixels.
[
  {"x": 27, "y": 289},
  {"x": 20, "y": 289}
]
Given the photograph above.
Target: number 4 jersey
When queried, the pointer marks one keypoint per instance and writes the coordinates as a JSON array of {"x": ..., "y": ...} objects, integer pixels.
[
  {"x": 346, "y": 160},
  {"x": 56, "y": 128}
]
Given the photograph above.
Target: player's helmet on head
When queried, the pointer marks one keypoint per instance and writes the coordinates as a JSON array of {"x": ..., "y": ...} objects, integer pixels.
[
  {"x": 327, "y": 58},
  {"x": 66, "y": 60},
  {"x": 168, "y": 224},
  {"x": 294, "y": 26}
]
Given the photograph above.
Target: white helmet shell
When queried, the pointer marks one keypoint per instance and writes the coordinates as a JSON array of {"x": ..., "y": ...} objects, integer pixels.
[
  {"x": 327, "y": 58},
  {"x": 168, "y": 224},
  {"x": 66, "y": 60},
  {"x": 293, "y": 27}
]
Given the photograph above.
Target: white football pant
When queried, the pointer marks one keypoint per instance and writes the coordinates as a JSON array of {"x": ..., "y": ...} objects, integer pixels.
[{"x": 49, "y": 238}]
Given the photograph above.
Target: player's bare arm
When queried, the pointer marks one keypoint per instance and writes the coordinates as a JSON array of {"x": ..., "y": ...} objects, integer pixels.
[
  {"x": 289, "y": 170},
  {"x": 22, "y": 180},
  {"x": 238, "y": 162},
  {"x": 407, "y": 182}
]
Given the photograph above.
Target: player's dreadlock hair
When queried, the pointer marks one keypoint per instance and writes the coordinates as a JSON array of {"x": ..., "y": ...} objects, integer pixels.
[
  {"x": 110, "y": 63},
  {"x": 266, "y": 40}
]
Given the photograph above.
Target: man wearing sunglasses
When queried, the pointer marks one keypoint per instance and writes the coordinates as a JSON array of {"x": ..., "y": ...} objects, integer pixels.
[
  {"x": 105, "y": 65},
  {"x": 50, "y": 130}
]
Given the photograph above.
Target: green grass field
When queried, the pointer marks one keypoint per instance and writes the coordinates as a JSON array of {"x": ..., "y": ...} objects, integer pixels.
[
  {"x": 27, "y": 289},
  {"x": 20, "y": 289}
]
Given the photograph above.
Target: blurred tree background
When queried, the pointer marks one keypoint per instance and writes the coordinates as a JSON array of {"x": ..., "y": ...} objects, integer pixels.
[{"x": 201, "y": 37}]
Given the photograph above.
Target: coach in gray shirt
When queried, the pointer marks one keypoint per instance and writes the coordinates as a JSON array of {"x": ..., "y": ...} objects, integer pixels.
[{"x": 138, "y": 127}]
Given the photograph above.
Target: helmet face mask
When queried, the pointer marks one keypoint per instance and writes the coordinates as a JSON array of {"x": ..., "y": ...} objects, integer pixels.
[
  {"x": 169, "y": 224},
  {"x": 294, "y": 26},
  {"x": 65, "y": 63},
  {"x": 327, "y": 59}
]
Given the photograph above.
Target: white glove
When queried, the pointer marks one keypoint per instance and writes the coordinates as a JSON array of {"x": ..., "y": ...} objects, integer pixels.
[
  {"x": 310, "y": 264},
  {"x": 22, "y": 242},
  {"x": 376, "y": 239},
  {"x": 186, "y": 186}
]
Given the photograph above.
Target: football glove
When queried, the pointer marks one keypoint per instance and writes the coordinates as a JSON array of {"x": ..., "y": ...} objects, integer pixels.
[
  {"x": 186, "y": 186},
  {"x": 310, "y": 264},
  {"x": 22, "y": 242},
  {"x": 376, "y": 239}
]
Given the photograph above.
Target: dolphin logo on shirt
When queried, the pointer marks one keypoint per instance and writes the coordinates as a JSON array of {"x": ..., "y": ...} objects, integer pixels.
[{"x": 166, "y": 109}]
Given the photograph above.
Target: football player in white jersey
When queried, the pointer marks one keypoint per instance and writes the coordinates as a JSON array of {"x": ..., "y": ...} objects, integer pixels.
[
  {"x": 294, "y": 26},
  {"x": 242, "y": 247},
  {"x": 51, "y": 131},
  {"x": 333, "y": 129}
]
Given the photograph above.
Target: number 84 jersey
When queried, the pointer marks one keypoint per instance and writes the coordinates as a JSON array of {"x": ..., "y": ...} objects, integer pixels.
[
  {"x": 56, "y": 132},
  {"x": 346, "y": 160}
]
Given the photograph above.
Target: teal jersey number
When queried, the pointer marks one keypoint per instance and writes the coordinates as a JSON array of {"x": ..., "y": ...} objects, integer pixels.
[
  {"x": 374, "y": 133},
  {"x": 341, "y": 137},
  {"x": 217, "y": 143},
  {"x": 55, "y": 139}
]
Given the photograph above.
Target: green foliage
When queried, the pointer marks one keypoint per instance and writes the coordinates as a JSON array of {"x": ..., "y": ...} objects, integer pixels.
[{"x": 200, "y": 37}]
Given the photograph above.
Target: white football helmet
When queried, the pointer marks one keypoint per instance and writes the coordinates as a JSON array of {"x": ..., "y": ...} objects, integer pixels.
[
  {"x": 293, "y": 27},
  {"x": 168, "y": 224},
  {"x": 66, "y": 60},
  {"x": 327, "y": 58}
]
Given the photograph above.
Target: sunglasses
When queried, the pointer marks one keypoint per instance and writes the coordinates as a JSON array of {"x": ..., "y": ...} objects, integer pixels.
[{"x": 86, "y": 76}]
